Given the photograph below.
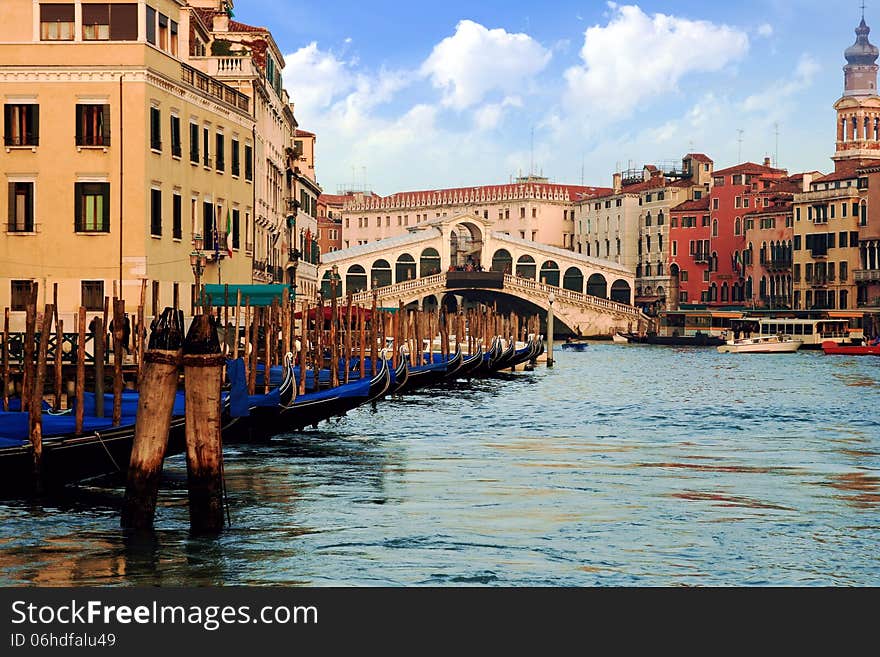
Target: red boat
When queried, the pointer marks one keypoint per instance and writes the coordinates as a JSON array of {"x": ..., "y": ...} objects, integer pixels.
[{"x": 831, "y": 347}]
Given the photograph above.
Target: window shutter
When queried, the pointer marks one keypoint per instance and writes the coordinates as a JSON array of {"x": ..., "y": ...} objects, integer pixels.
[
  {"x": 106, "y": 194},
  {"x": 105, "y": 124},
  {"x": 79, "y": 123},
  {"x": 11, "y": 216},
  {"x": 35, "y": 114},
  {"x": 77, "y": 206},
  {"x": 7, "y": 123}
]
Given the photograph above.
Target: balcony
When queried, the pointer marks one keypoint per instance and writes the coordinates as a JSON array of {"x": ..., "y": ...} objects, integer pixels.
[
  {"x": 700, "y": 257},
  {"x": 227, "y": 67},
  {"x": 215, "y": 88},
  {"x": 780, "y": 264}
]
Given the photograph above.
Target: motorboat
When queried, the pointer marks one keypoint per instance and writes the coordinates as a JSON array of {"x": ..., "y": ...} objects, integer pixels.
[{"x": 762, "y": 344}]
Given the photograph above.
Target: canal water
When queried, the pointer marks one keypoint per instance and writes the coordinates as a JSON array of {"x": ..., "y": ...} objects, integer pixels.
[{"x": 623, "y": 465}]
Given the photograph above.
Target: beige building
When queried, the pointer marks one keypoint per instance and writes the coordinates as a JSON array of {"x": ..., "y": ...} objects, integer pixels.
[
  {"x": 531, "y": 208},
  {"x": 247, "y": 58},
  {"x": 117, "y": 152},
  {"x": 832, "y": 210},
  {"x": 630, "y": 224}
]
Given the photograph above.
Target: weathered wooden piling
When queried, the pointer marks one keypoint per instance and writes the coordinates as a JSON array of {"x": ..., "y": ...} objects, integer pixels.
[
  {"x": 155, "y": 406},
  {"x": 203, "y": 365},
  {"x": 374, "y": 354},
  {"x": 36, "y": 405},
  {"x": 303, "y": 348},
  {"x": 348, "y": 338},
  {"x": 30, "y": 330},
  {"x": 118, "y": 357},
  {"x": 98, "y": 349},
  {"x": 80, "y": 368},
  {"x": 6, "y": 360}
]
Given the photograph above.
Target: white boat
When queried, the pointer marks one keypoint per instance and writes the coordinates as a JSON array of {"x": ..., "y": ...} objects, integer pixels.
[
  {"x": 620, "y": 338},
  {"x": 763, "y": 344}
]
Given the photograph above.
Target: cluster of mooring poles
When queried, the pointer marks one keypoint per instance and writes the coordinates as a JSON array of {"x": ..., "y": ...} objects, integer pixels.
[{"x": 251, "y": 365}]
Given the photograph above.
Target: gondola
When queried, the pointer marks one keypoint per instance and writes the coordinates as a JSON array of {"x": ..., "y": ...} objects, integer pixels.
[
  {"x": 505, "y": 359},
  {"x": 313, "y": 407},
  {"x": 422, "y": 376},
  {"x": 489, "y": 359},
  {"x": 453, "y": 365},
  {"x": 525, "y": 354},
  {"x": 102, "y": 449},
  {"x": 470, "y": 363}
]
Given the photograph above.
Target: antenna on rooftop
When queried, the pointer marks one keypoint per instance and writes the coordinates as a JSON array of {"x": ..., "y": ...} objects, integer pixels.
[
  {"x": 582, "y": 169},
  {"x": 776, "y": 152},
  {"x": 739, "y": 154}
]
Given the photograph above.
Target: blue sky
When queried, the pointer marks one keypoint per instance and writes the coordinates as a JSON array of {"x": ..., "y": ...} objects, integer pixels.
[{"x": 430, "y": 95}]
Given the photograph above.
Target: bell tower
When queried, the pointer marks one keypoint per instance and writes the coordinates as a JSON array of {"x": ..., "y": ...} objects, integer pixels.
[{"x": 858, "y": 111}]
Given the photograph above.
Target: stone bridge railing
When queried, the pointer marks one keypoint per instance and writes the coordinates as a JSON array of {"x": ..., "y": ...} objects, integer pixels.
[{"x": 526, "y": 287}]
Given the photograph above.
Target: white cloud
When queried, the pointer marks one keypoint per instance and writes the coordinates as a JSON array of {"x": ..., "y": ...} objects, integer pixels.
[
  {"x": 489, "y": 117},
  {"x": 765, "y": 30},
  {"x": 476, "y": 61},
  {"x": 773, "y": 98},
  {"x": 636, "y": 57}
]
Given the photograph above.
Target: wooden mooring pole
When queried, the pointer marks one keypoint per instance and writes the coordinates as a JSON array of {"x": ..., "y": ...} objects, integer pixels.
[
  {"x": 155, "y": 406},
  {"x": 203, "y": 366}
]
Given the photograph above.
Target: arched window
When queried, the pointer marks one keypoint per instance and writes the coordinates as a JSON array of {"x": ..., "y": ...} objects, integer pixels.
[
  {"x": 737, "y": 226},
  {"x": 597, "y": 286},
  {"x": 725, "y": 292},
  {"x": 380, "y": 273},
  {"x": 355, "y": 279},
  {"x": 621, "y": 292},
  {"x": 660, "y": 218},
  {"x": 327, "y": 287},
  {"x": 550, "y": 273},
  {"x": 429, "y": 263},
  {"x": 525, "y": 267},
  {"x": 573, "y": 280},
  {"x": 405, "y": 268},
  {"x": 714, "y": 228},
  {"x": 502, "y": 261}
]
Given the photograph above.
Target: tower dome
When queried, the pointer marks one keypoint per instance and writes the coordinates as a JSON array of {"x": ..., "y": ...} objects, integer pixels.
[{"x": 862, "y": 52}]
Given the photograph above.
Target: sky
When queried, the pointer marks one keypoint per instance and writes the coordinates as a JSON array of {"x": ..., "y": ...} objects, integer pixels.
[{"x": 429, "y": 95}]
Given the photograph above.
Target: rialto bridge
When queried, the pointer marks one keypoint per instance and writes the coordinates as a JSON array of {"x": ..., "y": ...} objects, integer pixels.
[{"x": 458, "y": 260}]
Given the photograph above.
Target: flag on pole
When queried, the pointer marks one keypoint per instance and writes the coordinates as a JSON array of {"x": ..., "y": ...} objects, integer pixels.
[{"x": 228, "y": 233}]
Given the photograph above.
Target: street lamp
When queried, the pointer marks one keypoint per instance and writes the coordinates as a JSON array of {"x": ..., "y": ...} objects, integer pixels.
[{"x": 198, "y": 261}]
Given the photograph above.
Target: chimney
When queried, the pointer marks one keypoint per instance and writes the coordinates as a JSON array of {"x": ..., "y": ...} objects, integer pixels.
[
  {"x": 616, "y": 183},
  {"x": 808, "y": 180},
  {"x": 766, "y": 161},
  {"x": 221, "y": 22}
]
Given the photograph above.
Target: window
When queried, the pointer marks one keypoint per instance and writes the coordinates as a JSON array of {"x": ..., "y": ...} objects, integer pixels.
[
  {"x": 173, "y": 49},
  {"x": 714, "y": 203},
  {"x": 855, "y": 209},
  {"x": 683, "y": 275},
  {"x": 92, "y": 125},
  {"x": 21, "y": 294},
  {"x": 522, "y": 213},
  {"x": 843, "y": 208},
  {"x": 176, "y": 221},
  {"x": 175, "y": 136},
  {"x": 236, "y": 234},
  {"x": 151, "y": 25},
  {"x": 248, "y": 162},
  {"x": 21, "y": 207},
  {"x": 156, "y": 212},
  {"x": 92, "y": 293},
  {"x": 236, "y": 165},
  {"x": 833, "y": 206},
  {"x": 842, "y": 239},
  {"x": 21, "y": 125},
  {"x": 714, "y": 228},
  {"x": 220, "y": 153},
  {"x": 56, "y": 22},
  {"x": 534, "y": 213},
  {"x": 96, "y": 22},
  {"x": 163, "y": 31},
  {"x": 208, "y": 225},
  {"x": 194, "y": 143},
  {"x": 206, "y": 150},
  {"x": 92, "y": 207},
  {"x": 155, "y": 129},
  {"x": 844, "y": 271}
]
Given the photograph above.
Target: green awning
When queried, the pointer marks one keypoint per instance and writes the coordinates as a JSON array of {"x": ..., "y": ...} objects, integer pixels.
[{"x": 258, "y": 295}]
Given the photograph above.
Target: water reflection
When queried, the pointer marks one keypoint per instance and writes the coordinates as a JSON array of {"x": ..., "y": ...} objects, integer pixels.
[{"x": 620, "y": 466}]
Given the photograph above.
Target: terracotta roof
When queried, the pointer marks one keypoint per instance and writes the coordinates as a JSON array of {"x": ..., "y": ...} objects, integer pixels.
[
  {"x": 699, "y": 157},
  {"x": 747, "y": 167},
  {"x": 845, "y": 170},
  {"x": 783, "y": 207},
  {"x": 304, "y": 133},
  {"x": 235, "y": 26},
  {"x": 334, "y": 199},
  {"x": 692, "y": 206},
  {"x": 682, "y": 182},
  {"x": 645, "y": 185}
]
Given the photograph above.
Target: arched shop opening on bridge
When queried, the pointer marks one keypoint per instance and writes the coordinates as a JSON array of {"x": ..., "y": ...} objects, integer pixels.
[
  {"x": 380, "y": 274},
  {"x": 405, "y": 269}
]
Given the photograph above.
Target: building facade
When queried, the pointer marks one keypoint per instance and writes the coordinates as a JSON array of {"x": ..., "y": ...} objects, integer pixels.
[
  {"x": 831, "y": 222},
  {"x": 531, "y": 208},
  {"x": 106, "y": 157},
  {"x": 689, "y": 236}
]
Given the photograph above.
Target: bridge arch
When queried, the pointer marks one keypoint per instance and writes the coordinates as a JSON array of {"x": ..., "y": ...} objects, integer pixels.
[
  {"x": 525, "y": 267},
  {"x": 502, "y": 261},
  {"x": 355, "y": 279},
  {"x": 597, "y": 286},
  {"x": 429, "y": 262},
  {"x": 550, "y": 273},
  {"x": 573, "y": 279},
  {"x": 380, "y": 273},
  {"x": 621, "y": 292},
  {"x": 465, "y": 244},
  {"x": 327, "y": 288},
  {"x": 405, "y": 268}
]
